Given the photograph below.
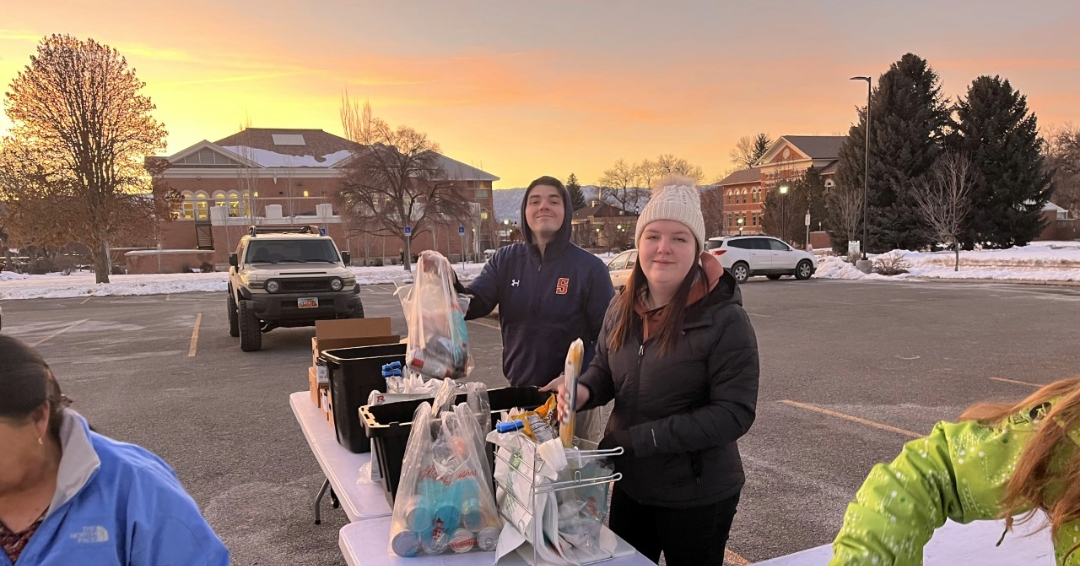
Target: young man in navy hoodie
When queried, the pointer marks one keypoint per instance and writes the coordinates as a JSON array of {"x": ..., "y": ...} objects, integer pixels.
[{"x": 549, "y": 292}]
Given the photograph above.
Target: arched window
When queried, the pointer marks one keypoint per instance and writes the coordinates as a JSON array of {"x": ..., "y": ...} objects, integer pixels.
[
  {"x": 829, "y": 184},
  {"x": 187, "y": 206},
  {"x": 202, "y": 210},
  {"x": 234, "y": 204}
]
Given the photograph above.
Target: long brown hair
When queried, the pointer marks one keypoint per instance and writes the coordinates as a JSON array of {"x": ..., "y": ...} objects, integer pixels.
[
  {"x": 623, "y": 307},
  {"x": 1028, "y": 485}
]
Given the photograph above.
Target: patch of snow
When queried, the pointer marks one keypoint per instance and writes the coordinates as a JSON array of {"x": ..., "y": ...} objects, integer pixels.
[{"x": 268, "y": 158}]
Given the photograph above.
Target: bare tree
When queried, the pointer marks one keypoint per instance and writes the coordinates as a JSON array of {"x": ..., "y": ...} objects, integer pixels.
[
  {"x": 712, "y": 209},
  {"x": 749, "y": 149},
  {"x": 618, "y": 184},
  {"x": 845, "y": 207},
  {"x": 944, "y": 198},
  {"x": 668, "y": 164},
  {"x": 395, "y": 180},
  {"x": 648, "y": 172},
  {"x": 78, "y": 114},
  {"x": 1062, "y": 157}
]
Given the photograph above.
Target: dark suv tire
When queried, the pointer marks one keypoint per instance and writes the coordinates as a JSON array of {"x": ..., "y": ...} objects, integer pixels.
[
  {"x": 234, "y": 318},
  {"x": 250, "y": 328}
]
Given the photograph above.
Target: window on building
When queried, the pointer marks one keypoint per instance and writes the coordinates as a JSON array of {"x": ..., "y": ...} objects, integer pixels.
[
  {"x": 483, "y": 193},
  {"x": 187, "y": 206},
  {"x": 744, "y": 191},
  {"x": 729, "y": 191},
  {"x": 202, "y": 208},
  {"x": 306, "y": 194},
  {"x": 234, "y": 204},
  {"x": 219, "y": 199}
]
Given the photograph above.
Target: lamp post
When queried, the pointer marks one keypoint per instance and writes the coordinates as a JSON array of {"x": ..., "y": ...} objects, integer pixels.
[
  {"x": 783, "y": 212},
  {"x": 864, "y": 263},
  {"x": 740, "y": 221}
]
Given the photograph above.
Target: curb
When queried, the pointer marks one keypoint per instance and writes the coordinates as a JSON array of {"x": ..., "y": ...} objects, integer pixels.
[{"x": 998, "y": 281}]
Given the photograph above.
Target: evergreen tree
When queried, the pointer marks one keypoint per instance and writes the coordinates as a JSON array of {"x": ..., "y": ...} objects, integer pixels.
[
  {"x": 577, "y": 198},
  {"x": 1001, "y": 138},
  {"x": 761, "y": 146},
  {"x": 907, "y": 127}
]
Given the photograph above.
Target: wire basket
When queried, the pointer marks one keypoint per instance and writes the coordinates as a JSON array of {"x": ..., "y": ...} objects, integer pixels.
[{"x": 579, "y": 494}]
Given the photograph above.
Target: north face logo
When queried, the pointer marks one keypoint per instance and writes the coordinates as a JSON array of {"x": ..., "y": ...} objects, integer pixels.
[
  {"x": 515, "y": 282},
  {"x": 93, "y": 534}
]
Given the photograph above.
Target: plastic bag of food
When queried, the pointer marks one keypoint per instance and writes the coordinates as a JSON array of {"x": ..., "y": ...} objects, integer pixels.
[
  {"x": 438, "y": 343},
  {"x": 444, "y": 501}
]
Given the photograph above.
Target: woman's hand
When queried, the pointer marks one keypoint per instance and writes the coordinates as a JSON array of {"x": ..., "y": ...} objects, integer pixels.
[{"x": 564, "y": 400}]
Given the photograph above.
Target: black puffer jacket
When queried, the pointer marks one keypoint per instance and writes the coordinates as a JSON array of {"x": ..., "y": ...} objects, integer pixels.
[{"x": 684, "y": 411}]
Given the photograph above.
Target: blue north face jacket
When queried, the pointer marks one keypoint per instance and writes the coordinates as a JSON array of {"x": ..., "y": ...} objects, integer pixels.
[
  {"x": 118, "y": 504},
  {"x": 545, "y": 303}
]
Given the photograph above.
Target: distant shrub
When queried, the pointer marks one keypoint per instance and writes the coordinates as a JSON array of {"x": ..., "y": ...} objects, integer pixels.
[
  {"x": 186, "y": 268},
  {"x": 206, "y": 267},
  {"x": 892, "y": 263}
]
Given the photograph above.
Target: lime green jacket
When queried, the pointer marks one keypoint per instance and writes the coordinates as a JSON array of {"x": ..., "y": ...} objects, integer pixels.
[{"x": 959, "y": 472}]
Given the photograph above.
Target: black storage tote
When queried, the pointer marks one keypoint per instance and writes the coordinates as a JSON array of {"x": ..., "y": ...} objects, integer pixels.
[{"x": 354, "y": 374}]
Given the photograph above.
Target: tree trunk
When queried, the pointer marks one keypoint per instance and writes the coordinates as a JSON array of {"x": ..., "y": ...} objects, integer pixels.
[
  {"x": 956, "y": 246},
  {"x": 102, "y": 265}
]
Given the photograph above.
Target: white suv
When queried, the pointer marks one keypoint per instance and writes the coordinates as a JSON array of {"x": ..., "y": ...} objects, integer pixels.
[{"x": 747, "y": 256}]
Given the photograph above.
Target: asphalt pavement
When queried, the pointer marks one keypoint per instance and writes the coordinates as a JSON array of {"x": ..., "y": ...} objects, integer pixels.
[{"x": 850, "y": 371}]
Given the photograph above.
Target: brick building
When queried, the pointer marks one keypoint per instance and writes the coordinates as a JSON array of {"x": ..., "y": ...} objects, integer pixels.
[
  {"x": 289, "y": 177},
  {"x": 787, "y": 159}
]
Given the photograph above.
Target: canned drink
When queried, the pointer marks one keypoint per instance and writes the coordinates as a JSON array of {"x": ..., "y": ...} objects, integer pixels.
[
  {"x": 437, "y": 541},
  {"x": 406, "y": 544},
  {"x": 462, "y": 541},
  {"x": 488, "y": 538}
]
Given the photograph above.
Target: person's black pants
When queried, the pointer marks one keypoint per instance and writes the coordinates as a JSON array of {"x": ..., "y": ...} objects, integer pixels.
[{"x": 694, "y": 536}]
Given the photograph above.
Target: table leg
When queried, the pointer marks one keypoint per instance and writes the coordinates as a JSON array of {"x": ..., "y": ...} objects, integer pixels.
[
  {"x": 334, "y": 500},
  {"x": 318, "y": 500}
]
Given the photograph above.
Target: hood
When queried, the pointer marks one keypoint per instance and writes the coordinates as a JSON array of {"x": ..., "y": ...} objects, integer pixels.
[
  {"x": 562, "y": 237},
  {"x": 78, "y": 462}
]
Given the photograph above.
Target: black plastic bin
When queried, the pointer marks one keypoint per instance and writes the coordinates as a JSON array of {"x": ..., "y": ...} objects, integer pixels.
[
  {"x": 354, "y": 374},
  {"x": 389, "y": 426}
]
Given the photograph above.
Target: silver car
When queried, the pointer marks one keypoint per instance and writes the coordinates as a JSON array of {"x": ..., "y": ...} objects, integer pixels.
[{"x": 621, "y": 267}]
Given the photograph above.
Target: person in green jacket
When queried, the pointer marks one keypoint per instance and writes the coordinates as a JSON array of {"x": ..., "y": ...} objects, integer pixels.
[{"x": 999, "y": 461}]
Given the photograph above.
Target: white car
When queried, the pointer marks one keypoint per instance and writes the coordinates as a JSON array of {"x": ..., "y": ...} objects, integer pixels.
[
  {"x": 747, "y": 256},
  {"x": 621, "y": 267}
]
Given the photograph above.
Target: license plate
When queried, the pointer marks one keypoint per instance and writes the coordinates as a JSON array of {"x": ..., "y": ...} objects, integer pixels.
[{"x": 312, "y": 303}]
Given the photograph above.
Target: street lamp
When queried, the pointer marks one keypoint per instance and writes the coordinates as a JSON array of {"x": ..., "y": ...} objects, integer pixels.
[
  {"x": 866, "y": 174},
  {"x": 783, "y": 212},
  {"x": 740, "y": 221}
]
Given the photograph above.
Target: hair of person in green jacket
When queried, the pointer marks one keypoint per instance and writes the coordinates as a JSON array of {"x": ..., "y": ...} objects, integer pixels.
[{"x": 1028, "y": 485}]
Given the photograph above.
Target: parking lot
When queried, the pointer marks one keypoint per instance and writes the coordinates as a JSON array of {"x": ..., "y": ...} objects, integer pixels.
[{"x": 850, "y": 371}]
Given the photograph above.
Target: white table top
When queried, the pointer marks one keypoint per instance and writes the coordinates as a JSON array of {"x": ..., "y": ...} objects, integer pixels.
[
  {"x": 366, "y": 544},
  {"x": 955, "y": 544},
  {"x": 360, "y": 501}
]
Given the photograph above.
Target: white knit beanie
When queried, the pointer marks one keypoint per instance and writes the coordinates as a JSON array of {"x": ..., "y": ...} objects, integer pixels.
[{"x": 678, "y": 199}]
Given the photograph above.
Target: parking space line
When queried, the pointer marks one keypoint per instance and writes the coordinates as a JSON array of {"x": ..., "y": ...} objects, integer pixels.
[
  {"x": 1003, "y": 380},
  {"x": 195, "y": 336},
  {"x": 168, "y": 297},
  {"x": 485, "y": 323},
  {"x": 57, "y": 333},
  {"x": 732, "y": 558},
  {"x": 851, "y": 418},
  {"x": 84, "y": 301}
]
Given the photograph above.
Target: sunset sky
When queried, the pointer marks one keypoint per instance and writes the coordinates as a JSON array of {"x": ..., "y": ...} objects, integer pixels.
[{"x": 523, "y": 89}]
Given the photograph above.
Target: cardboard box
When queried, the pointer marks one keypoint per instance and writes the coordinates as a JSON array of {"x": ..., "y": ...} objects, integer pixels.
[
  {"x": 327, "y": 405},
  {"x": 350, "y": 332},
  {"x": 316, "y": 386}
]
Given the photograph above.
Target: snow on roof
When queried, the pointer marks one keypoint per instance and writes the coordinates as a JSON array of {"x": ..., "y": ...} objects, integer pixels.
[{"x": 268, "y": 158}]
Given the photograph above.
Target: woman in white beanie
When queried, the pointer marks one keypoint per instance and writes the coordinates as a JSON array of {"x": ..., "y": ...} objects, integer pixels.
[{"x": 679, "y": 356}]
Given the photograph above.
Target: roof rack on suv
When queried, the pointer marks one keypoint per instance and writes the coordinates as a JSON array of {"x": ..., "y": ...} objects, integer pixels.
[{"x": 286, "y": 229}]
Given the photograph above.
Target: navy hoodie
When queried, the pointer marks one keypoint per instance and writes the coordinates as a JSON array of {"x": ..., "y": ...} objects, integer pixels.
[{"x": 545, "y": 303}]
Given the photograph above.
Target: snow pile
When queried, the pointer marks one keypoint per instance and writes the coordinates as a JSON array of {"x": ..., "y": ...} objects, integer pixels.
[
  {"x": 1042, "y": 261},
  {"x": 81, "y": 284}
]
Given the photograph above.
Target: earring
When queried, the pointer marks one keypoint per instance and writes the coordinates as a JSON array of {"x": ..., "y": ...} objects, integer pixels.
[{"x": 40, "y": 441}]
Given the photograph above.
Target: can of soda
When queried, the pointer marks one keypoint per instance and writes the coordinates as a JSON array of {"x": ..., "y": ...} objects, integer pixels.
[
  {"x": 437, "y": 541},
  {"x": 488, "y": 538},
  {"x": 462, "y": 541},
  {"x": 406, "y": 544}
]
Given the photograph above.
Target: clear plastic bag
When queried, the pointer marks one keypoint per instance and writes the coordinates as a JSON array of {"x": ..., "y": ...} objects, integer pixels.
[
  {"x": 444, "y": 501},
  {"x": 438, "y": 344}
]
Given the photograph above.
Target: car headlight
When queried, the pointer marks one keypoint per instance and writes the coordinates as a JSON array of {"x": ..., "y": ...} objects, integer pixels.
[
  {"x": 273, "y": 286},
  {"x": 336, "y": 284}
]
